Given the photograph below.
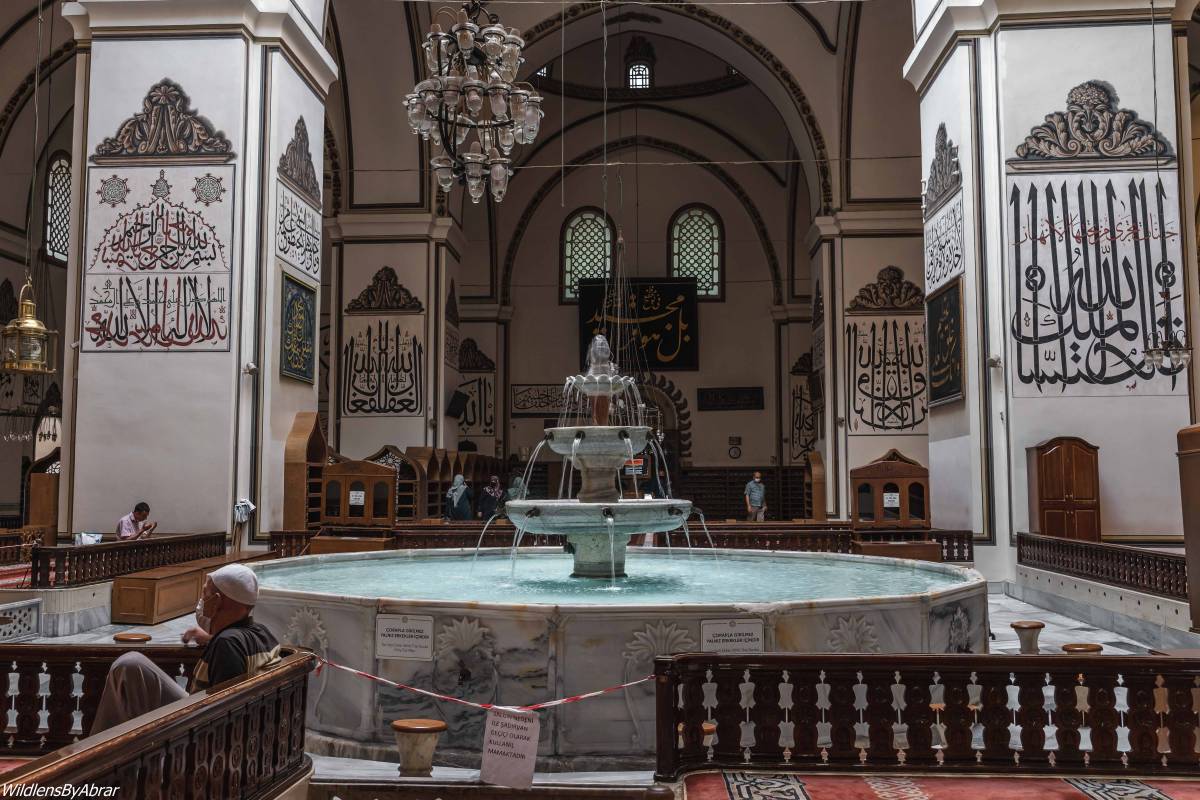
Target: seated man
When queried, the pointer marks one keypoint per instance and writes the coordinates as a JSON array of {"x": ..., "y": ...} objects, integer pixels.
[
  {"x": 134, "y": 524},
  {"x": 235, "y": 645}
]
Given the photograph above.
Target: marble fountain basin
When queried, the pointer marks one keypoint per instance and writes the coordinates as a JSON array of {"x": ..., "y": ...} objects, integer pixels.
[
  {"x": 519, "y": 632},
  {"x": 575, "y": 517},
  {"x": 598, "y": 440}
]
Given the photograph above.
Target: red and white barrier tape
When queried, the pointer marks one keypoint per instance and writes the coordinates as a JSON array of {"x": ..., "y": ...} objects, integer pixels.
[{"x": 485, "y": 706}]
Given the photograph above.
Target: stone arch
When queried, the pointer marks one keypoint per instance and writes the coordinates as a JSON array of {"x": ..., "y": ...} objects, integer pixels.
[
  {"x": 670, "y": 399},
  {"x": 617, "y": 145}
]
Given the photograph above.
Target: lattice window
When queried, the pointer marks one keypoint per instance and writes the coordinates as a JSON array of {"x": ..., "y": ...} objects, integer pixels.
[
  {"x": 696, "y": 249},
  {"x": 58, "y": 207},
  {"x": 586, "y": 250},
  {"x": 639, "y": 76}
]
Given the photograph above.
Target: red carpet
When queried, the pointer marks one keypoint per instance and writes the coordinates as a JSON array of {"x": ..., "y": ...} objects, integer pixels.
[
  {"x": 786, "y": 786},
  {"x": 14, "y": 577}
]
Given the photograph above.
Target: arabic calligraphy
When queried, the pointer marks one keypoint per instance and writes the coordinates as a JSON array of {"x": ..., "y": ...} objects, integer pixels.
[
  {"x": 155, "y": 313},
  {"x": 298, "y": 331},
  {"x": 297, "y": 231},
  {"x": 804, "y": 416},
  {"x": 1091, "y": 257},
  {"x": 944, "y": 315},
  {"x": 944, "y": 244},
  {"x": 888, "y": 382},
  {"x": 383, "y": 371},
  {"x": 159, "y": 236},
  {"x": 479, "y": 413},
  {"x": 652, "y": 326},
  {"x": 536, "y": 400}
]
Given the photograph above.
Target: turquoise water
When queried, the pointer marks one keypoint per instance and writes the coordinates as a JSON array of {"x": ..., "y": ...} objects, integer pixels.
[{"x": 653, "y": 579}]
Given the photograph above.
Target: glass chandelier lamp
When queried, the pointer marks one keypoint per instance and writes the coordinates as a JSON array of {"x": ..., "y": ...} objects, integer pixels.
[{"x": 470, "y": 106}]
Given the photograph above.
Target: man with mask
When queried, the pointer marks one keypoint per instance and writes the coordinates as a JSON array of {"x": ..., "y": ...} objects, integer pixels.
[
  {"x": 756, "y": 499},
  {"x": 234, "y": 645}
]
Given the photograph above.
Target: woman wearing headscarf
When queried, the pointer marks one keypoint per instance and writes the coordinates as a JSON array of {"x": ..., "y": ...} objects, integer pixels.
[
  {"x": 491, "y": 499},
  {"x": 515, "y": 489},
  {"x": 458, "y": 499}
]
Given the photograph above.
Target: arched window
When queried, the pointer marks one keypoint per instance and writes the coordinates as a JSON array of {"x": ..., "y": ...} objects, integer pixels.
[
  {"x": 639, "y": 75},
  {"x": 696, "y": 249},
  {"x": 58, "y": 206},
  {"x": 587, "y": 239}
]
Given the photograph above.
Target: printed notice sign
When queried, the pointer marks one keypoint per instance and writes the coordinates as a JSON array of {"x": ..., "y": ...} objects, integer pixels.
[
  {"x": 510, "y": 742},
  {"x": 731, "y": 636},
  {"x": 358, "y": 498},
  {"x": 891, "y": 499},
  {"x": 404, "y": 636}
]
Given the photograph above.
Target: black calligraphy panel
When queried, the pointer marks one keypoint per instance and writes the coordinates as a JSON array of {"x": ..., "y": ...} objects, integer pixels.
[
  {"x": 1095, "y": 265},
  {"x": 804, "y": 414},
  {"x": 944, "y": 327},
  {"x": 731, "y": 398},
  {"x": 298, "y": 331},
  {"x": 652, "y": 324},
  {"x": 479, "y": 412},
  {"x": 383, "y": 369},
  {"x": 887, "y": 375},
  {"x": 536, "y": 400},
  {"x": 157, "y": 275}
]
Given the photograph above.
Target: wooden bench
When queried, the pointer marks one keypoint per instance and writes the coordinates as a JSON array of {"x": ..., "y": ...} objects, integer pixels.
[{"x": 154, "y": 595}]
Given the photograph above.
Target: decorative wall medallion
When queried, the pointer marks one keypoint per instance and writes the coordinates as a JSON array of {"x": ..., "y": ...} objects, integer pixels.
[
  {"x": 165, "y": 127},
  {"x": 472, "y": 359},
  {"x": 386, "y": 295},
  {"x": 383, "y": 368},
  {"x": 1093, "y": 127},
  {"x": 298, "y": 331},
  {"x": 853, "y": 634},
  {"x": 890, "y": 292},
  {"x": 296, "y": 165},
  {"x": 945, "y": 174},
  {"x": 113, "y": 191},
  {"x": 208, "y": 189}
]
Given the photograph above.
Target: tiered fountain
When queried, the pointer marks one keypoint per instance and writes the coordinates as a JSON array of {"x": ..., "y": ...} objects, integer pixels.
[{"x": 598, "y": 523}]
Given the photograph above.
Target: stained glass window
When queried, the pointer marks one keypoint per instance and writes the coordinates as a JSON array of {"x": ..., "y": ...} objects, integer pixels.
[
  {"x": 58, "y": 207},
  {"x": 696, "y": 249},
  {"x": 639, "y": 76},
  {"x": 586, "y": 250}
]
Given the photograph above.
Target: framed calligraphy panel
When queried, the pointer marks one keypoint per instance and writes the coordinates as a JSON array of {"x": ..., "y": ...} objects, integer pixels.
[
  {"x": 297, "y": 231},
  {"x": 944, "y": 244},
  {"x": 944, "y": 326},
  {"x": 734, "y": 398},
  {"x": 383, "y": 367},
  {"x": 479, "y": 413},
  {"x": 887, "y": 391},
  {"x": 298, "y": 331},
  {"x": 805, "y": 414},
  {"x": 654, "y": 326},
  {"x": 157, "y": 274},
  {"x": 1095, "y": 269},
  {"x": 536, "y": 400}
]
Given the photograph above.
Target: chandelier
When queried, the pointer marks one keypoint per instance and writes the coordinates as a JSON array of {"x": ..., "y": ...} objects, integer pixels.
[
  {"x": 470, "y": 106},
  {"x": 1171, "y": 348}
]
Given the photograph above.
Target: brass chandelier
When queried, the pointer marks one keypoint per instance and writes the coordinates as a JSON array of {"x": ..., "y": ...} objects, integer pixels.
[{"x": 471, "y": 106}]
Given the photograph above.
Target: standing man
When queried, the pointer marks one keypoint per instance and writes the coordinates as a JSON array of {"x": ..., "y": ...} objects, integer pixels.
[
  {"x": 756, "y": 499},
  {"x": 134, "y": 525}
]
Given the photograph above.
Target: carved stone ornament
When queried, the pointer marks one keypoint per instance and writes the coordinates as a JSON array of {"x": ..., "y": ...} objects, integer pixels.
[
  {"x": 803, "y": 365},
  {"x": 385, "y": 294},
  {"x": 1092, "y": 127},
  {"x": 853, "y": 634},
  {"x": 472, "y": 359},
  {"x": 166, "y": 127},
  {"x": 296, "y": 165},
  {"x": 890, "y": 292},
  {"x": 452, "y": 307},
  {"x": 945, "y": 175}
]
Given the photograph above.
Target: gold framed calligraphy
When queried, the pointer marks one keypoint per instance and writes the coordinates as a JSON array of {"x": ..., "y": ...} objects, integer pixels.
[
  {"x": 383, "y": 367},
  {"x": 536, "y": 400},
  {"x": 157, "y": 276},
  {"x": 479, "y": 412},
  {"x": 298, "y": 331},
  {"x": 944, "y": 327},
  {"x": 653, "y": 326}
]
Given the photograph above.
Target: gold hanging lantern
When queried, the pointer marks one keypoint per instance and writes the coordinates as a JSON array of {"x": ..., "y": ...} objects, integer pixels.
[{"x": 28, "y": 347}]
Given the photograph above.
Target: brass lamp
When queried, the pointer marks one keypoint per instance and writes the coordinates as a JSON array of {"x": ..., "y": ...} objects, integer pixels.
[{"x": 27, "y": 346}]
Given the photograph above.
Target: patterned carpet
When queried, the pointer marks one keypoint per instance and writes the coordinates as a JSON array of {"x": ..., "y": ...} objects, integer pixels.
[{"x": 768, "y": 786}]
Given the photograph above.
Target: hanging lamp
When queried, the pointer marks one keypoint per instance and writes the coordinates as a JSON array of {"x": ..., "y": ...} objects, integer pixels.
[{"x": 28, "y": 347}]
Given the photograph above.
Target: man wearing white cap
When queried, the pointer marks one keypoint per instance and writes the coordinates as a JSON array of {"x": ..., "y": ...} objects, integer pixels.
[{"x": 235, "y": 645}]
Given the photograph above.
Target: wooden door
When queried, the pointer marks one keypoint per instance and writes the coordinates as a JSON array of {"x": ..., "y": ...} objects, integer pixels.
[{"x": 1069, "y": 489}]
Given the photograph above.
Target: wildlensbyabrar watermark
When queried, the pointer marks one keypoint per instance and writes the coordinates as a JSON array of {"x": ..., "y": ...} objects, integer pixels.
[{"x": 67, "y": 790}]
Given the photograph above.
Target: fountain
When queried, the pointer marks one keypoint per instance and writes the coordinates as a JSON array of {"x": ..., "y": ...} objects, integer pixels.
[{"x": 598, "y": 523}]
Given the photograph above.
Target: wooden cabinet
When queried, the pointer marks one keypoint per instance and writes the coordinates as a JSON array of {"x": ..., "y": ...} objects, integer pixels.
[
  {"x": 890, "y": 492},
  {"x": 1068, "y": 488}
]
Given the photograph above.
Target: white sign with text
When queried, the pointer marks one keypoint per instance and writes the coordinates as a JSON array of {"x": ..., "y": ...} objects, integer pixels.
[
  {"x": 510, "y": 742},
  {"x": 404, "y": 636},
  {"x": 731, "y": 636}
]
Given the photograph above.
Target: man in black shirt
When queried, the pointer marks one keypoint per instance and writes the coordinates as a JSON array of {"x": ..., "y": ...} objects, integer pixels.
[{"x": 234, "y": 645}]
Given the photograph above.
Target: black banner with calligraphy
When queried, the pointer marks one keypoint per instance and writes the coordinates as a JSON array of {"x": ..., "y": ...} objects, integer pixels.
[
  {"x": 731, "y": 398},
  {"x": 944, "y": 329},
  {"x": 654, "y": 326}
]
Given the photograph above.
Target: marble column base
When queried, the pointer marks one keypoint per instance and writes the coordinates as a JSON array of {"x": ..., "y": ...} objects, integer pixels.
[{"x": 599, "y": 555}]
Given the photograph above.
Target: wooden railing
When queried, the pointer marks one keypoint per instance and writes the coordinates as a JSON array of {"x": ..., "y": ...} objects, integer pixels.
[
  {"x": 76, "y": 565},
  {"x": 240, "y": 739},
  {"x": 752, "y": 537},
  {"x": 906, "y": 713},
  {"x": 1148, "y": 571},
  {"x": 957, "y": 546},
  {"x": 286, "y": 544},
  {"x": 10, "y": 547}
]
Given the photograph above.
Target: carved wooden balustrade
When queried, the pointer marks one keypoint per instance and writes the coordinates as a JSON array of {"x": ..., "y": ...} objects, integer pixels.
[
  {"x": 1148, "y": 571},
  {"x": 956, "y": 545},
  {"x": 965, "y": 713},
  {"x": 10, "y": 547},
  {"x": 241, "y": 739},
  {"x": 745, "y": 536},
  {"x": 75, "y": 565}
]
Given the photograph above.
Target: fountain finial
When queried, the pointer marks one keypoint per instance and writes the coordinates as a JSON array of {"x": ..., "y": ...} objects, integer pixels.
[{"x": 600, "y": 357}]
